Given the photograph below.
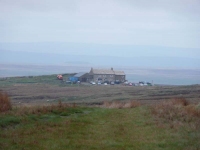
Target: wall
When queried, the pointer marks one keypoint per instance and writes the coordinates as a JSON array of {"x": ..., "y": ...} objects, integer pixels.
[
  {"x": 104, "y": 77},
  {"x": 121, "y": 78}
]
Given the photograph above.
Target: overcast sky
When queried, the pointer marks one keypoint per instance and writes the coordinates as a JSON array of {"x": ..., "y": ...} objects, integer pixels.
[{"x": 172, "y": 23}]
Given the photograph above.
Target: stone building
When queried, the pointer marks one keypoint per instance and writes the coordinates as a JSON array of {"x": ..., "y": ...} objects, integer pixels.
[{"x": 110, "y": 75}]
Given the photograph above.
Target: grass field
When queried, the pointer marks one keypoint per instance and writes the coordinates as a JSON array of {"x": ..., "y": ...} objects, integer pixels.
[
  {"x": 45, "y": 113},
  {"x": 44, "y": 79},
  {"x": 70, "y": 127}
]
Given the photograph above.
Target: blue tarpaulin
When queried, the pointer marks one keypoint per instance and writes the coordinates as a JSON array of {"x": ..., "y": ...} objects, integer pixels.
[{"x": 73, "y": 79}]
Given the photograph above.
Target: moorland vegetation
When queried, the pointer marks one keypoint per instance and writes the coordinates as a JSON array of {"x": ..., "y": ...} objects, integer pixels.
[{"x": 170, "y": 124}]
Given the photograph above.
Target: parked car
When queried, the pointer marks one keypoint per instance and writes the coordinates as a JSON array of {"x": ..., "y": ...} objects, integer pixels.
[
  {"x": 130, "y": 84},
  {"x": 105, "y": 84},
  {"x": 112, "y": 83},
  {"x": 141, "y": 84},
  {"x": 149, "y": 84},
  {"x": 93, "y": 83},
  {"x": 125, "y": 83},
  {"x": 117, "y": 82}
]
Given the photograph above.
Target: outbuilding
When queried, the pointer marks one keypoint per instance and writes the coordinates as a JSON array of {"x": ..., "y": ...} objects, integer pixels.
[{"x": 81, "y": 76}]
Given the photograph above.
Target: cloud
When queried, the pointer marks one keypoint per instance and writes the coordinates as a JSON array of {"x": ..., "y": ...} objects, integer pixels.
[{"x": 166, "y": 22}]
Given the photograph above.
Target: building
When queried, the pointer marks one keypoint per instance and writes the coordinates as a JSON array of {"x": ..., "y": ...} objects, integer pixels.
[
  {"x": 106, "y": 75},
  {"x": 81, "y": 76}
]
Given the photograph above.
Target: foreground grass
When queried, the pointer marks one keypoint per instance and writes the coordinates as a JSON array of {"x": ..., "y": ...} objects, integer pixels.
[{"x": 63, "y": 127}]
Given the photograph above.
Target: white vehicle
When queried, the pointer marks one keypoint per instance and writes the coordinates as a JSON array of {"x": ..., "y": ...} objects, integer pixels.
[
  {"x": 141, "y": 84},
  {"x": 112, "y": 83},
  {"x": 126, "y": 83},
  {"x": 105, "y": 84},
  {"x": 93, "y": 83}
]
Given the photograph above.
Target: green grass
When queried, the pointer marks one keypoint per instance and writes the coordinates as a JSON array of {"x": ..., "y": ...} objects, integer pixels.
[
  {"x": 9, "y": 121},
  {"x": 45, "y": 79},
  {"x": 91, "y": 128}
]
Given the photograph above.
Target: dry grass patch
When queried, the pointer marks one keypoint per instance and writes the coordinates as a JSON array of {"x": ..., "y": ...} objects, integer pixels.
[
  {"x": 37, "y": 110},
  {"x": 120, "y": 104},
  {"x": 177, "y": 112},
  {"x": 5, "y": 103}
]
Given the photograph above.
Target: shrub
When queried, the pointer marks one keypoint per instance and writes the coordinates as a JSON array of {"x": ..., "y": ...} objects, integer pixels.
[
  {"x": 119, "y": 104},
  {"x": 45, "y": 109},
  {"x": 177, "y": 112},
  {"x": 180, "y": 101},
  {"x": 132, "y": 104},
  {"x": 5, "y": 103}
]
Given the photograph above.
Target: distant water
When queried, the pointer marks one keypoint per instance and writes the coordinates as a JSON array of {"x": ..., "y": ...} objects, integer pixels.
[{"x": 157, "y": 76}]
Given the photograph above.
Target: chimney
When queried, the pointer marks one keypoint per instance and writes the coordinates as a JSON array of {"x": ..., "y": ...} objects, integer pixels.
[{"x": 112, "y": 68}]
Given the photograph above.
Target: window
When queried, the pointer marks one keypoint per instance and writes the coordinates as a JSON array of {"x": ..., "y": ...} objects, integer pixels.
[{"x": 111, "y": 75}]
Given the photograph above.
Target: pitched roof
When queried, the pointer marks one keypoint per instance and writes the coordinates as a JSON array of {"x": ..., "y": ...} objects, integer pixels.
[
  {"x": 107, "y": 71},
  {"x": 119, "y": 72},
  {"x": 102, "y": 71},
  {"x": 80, "y": 74}
]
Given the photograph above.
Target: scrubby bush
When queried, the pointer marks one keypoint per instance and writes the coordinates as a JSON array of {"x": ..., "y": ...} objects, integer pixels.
[
  {"x": 177, "y": 112},
  {"x": 120, "y": 104},
  {"x": 44, "y": 109},
  {"x": 5, "y": 103},
  {"x": 179, "y": 101}
]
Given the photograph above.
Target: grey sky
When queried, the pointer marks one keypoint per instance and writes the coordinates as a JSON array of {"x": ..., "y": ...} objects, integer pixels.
[{"x": 172, "y": 23}]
